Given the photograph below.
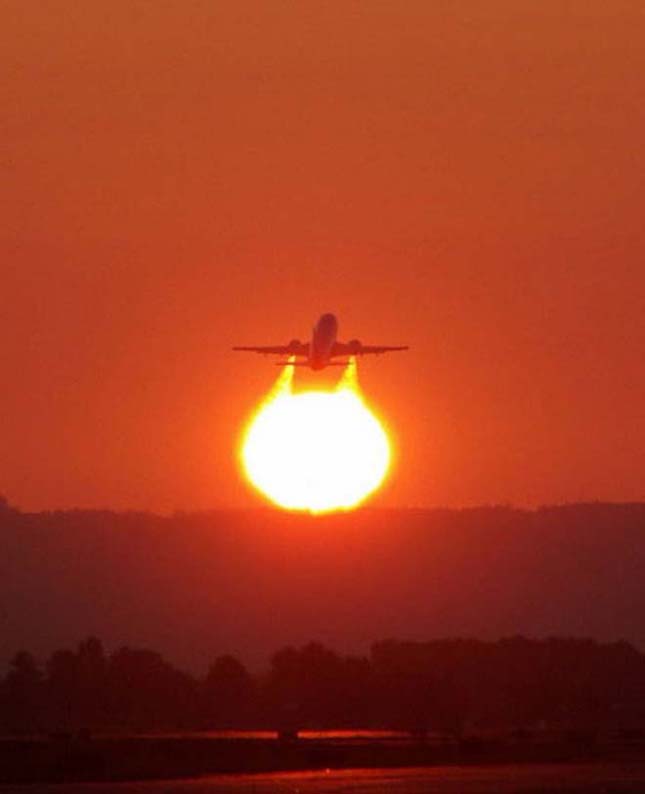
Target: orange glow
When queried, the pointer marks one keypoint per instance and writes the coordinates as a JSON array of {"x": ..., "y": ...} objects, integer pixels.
[
  {"x": 319, "y": 451},
  {"x": 179, "y": 178}
]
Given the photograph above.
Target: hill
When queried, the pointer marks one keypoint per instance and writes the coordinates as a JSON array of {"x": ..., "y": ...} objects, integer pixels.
[{"x": 196, "y": 585}]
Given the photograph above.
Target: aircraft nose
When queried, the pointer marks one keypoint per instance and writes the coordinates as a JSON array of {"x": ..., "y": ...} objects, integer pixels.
[{"x": 329, "y": 320}]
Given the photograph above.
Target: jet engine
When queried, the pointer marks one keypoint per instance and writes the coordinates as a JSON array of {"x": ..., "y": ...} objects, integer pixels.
[
  {"x": 295, "y": 345},
  {"x": 354, "y": 346}
]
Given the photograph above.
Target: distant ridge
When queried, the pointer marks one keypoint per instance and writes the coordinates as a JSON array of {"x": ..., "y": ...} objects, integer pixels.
[{"x": 194, "y": 584}]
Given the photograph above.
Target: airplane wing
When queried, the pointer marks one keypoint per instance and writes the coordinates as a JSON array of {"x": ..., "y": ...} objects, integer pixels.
[
  {"x": 292, "y": 349},
  {"x": 378, "y": 349},
  {"x": 358, "y": 349}
]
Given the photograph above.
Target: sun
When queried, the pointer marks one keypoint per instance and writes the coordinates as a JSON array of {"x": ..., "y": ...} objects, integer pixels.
[{"x": 317, "y": 451}]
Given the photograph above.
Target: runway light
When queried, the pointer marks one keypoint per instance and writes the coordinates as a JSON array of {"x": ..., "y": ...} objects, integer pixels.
[{"x": 318, "y": 451}]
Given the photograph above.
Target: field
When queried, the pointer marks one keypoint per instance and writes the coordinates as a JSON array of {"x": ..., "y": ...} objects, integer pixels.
[{"x": 587, "y": 778}]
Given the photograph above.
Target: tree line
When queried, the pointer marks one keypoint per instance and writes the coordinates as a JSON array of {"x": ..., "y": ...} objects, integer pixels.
[{"x": 447, "y": 686}]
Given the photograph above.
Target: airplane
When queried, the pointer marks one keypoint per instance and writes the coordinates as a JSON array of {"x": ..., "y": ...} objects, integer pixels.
[{"x": 323, "y": 348}]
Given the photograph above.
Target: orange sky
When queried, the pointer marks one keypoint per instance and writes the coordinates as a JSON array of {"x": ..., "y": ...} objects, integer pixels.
[{"x": 465, "y": 177}]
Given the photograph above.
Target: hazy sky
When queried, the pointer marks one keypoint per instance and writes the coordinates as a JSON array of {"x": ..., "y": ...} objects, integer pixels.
[{"x": 464, "y": 177}]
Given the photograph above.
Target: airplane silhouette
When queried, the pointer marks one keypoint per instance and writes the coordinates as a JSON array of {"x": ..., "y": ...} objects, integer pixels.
[{"x": 323, "y": 348}]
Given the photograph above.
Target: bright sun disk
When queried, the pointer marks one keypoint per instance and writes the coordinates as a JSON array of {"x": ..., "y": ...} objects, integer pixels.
[{"x": 315, "y": 450}]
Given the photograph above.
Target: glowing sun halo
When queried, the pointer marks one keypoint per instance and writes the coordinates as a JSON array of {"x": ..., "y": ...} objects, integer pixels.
[{"x": 315, "y": 450}]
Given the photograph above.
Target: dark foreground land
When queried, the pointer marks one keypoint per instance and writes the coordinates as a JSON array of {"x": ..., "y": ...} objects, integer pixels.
[
  {"x": 116, "y": 760},
  {"x": 572, "y": 778}
]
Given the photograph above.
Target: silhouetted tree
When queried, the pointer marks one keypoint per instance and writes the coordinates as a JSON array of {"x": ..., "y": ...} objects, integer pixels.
[
  {"x": 77, "y": 687},
  {"x": 23, "y": 694},
  {"x": 62, "y": 685},
  {"x": 230, "y": 694},
  {"x": 452, "y": 686},
  {"x": 315, "y": 687},
  {"x": 145, "y": 692}
]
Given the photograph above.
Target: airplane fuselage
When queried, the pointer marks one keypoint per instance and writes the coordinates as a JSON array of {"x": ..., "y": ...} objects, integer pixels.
[{"x": 323, "y": 340}]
